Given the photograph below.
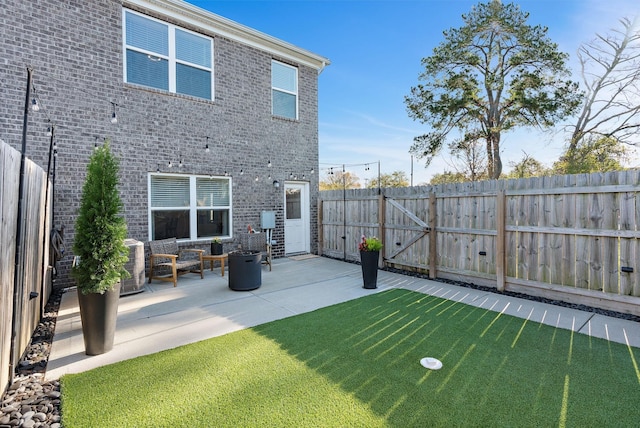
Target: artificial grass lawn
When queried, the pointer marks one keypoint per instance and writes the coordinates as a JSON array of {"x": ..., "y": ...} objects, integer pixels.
[{"x": 357, "y": 364}]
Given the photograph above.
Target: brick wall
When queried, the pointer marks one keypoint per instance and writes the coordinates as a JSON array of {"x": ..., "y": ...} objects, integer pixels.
[{"x": 75, "y": 49}]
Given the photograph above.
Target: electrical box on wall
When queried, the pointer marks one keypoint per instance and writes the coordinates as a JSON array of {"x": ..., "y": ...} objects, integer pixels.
[{"x": 268, "y": 220}]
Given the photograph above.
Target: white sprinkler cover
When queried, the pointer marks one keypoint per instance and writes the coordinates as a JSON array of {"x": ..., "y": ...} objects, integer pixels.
[{"x": 431, "y": 363}]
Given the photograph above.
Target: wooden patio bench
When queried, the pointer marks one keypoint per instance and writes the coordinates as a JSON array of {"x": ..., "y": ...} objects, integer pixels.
[{"x": 166, "y": 254}]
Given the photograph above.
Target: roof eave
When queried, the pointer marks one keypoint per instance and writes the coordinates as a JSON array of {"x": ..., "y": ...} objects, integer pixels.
[{"x": 217, "y": 24}]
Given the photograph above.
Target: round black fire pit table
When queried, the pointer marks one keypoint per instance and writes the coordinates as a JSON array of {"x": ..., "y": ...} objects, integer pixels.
[{"x": 245, "y": 271}]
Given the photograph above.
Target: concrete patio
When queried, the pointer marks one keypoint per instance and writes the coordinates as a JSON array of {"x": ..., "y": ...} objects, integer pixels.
[{"x": 164, "y": 317}]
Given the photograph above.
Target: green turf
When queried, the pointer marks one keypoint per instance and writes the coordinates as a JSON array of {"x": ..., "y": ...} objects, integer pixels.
[{"x": 356, "y": 364}]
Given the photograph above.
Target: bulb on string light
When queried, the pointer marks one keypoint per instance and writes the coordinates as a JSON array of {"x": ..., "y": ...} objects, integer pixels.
[
  {"x": 257, "y": 178},
  {"x": 55, "y": 153},
  {"x": 34, "y": 105},
  {"x": 48, "y": 131},
  {"x": 269, "y": 163},
  {"x": 206, "y": 146},
  {"x": 241, "y": 172},
  {"x": 114, "y": 116},
  {"x": 170, "y": 165}
]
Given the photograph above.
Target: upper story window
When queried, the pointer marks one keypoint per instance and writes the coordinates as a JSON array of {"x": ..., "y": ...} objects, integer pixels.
[
  {"x": 284, "y": 90},
  {"x": 189, "y": 207},
  {"x": 163, "y": 56}
]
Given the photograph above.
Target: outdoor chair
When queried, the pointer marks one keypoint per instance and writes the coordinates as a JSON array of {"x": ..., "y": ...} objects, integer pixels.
[
  {"x": 166, "y": 254},
  {"x": 258, "y": 242}
]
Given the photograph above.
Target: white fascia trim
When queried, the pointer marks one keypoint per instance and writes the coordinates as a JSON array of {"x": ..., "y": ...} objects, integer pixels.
[{"x": 217, "y": 24}]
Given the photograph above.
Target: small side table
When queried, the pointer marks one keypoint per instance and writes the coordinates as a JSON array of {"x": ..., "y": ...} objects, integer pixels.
[{"x": 220, "y": 257}]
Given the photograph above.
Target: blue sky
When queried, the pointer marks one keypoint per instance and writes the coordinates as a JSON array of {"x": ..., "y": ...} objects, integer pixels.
[{"x": 375, "y": 48}]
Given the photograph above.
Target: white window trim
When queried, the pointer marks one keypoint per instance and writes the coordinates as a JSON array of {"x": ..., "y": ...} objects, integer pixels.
[
  {"x": 171, "y": 58},
  {"x": 193, "y": 206},
  {"x": 296, "y": 93}
]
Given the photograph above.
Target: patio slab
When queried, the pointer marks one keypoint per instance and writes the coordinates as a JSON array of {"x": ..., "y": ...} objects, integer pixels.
[{"x": 164, "y": 317}]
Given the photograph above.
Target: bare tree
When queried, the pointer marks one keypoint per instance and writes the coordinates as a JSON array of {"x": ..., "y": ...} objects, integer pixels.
[
  {"x": 339, "y": 180},
  {"x": 610, "y": 66},
  {"x": 469, "y": 157}
]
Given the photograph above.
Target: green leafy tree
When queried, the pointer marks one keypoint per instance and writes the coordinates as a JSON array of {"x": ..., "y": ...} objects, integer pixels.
[
  {"x": 448, "y": 177},
  {"x": 592, "y": 155},
  {"x": 100, "y": 229},
  {"x": 395, "y": 179},
  {"x": 490, "y": 75},
  {"x": 339, "y": 180},
  {"x": 527, "y": 167}
]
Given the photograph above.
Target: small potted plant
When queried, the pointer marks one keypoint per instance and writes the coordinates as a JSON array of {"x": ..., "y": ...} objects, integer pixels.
[
  {"x": 369, "y": 255},
  {"x": 216, "y": 247}
]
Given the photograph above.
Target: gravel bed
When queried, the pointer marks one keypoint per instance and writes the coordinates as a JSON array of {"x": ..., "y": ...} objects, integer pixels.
[
  {"x": 614, "y": 314},
  {"x": 30, "y": 401}
]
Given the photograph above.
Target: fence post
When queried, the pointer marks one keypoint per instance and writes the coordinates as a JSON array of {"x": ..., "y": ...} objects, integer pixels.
[
  {"x": 500, "y": 239},
  {"x": 381, "y": 228},
  {"x": 320, "y": 227},
  {"x": 432, "y": 236}
]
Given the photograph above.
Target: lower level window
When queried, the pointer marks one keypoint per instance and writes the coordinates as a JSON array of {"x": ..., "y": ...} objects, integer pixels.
[{"x": 189, "y": 207}]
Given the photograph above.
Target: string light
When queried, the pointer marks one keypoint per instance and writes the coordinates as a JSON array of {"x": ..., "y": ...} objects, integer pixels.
[
  {"x": 36, "y": 106},
  {"x": 114, "y": 116}
]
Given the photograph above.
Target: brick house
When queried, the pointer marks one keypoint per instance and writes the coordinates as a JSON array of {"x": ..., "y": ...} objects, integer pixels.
[{"x": 214, "y": 121}]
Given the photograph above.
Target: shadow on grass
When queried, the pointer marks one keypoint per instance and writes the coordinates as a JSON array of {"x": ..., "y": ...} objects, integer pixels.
[{"x": 498, "y": 370}]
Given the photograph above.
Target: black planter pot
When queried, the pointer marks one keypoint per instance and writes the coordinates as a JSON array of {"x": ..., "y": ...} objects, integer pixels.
[
  {"x": 216, "y": 249},
  {"x": 98, "y": 313},
  {"x": 245, "y": 271},
  {"x": 369, "y": 263}
]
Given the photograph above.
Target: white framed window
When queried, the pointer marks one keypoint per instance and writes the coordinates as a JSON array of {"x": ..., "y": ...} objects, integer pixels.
[
  {"x": 284, "y": 90},
  {"x": 189, "y": 207},
  {"x": 163, "y": 56}
]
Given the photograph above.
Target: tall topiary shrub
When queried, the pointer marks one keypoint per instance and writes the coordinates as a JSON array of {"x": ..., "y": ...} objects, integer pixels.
[{"x": 100, "y": 229}]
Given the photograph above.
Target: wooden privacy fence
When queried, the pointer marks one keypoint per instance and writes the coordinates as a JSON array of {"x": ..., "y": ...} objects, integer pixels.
[
  {"x": 574, "y": 238},
  {"x": 25, "y": 293}
]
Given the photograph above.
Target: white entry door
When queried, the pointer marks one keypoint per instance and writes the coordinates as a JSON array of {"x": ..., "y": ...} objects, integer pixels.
[{"x": 297, "y": 228}]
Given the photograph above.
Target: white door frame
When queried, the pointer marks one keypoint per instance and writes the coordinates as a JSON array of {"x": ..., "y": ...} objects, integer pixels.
[{"x": 301, "y": 242}]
